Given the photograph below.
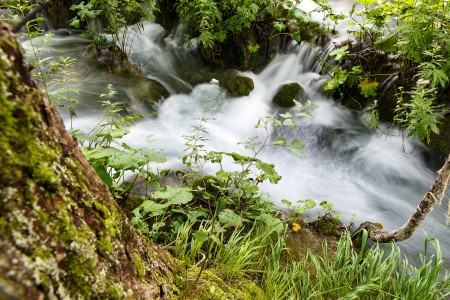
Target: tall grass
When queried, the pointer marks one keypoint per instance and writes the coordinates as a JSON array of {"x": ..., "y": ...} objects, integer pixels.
[
  {"x": 373, "y": 273},
  {"x": 370, "y": 273}
]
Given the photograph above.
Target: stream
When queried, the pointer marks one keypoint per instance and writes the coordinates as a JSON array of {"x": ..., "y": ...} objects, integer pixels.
[{"x": 366, "y": 175}]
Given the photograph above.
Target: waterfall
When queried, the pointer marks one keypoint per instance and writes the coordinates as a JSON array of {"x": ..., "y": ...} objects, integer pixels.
[{"x": 366, "y": 175}]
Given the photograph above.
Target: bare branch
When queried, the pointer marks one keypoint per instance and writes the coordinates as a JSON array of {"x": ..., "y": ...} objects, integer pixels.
[{"x": 434, "y": 195}]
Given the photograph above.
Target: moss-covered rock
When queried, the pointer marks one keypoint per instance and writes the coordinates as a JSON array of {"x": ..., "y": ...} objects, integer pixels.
[
  {"x": 441, "y": 142},
  {"x": 287, "y": 93},
  {"x": 305, "y": 236},
  {"x": 211, "y": 285},
  {"x": 238, "y": 85}
]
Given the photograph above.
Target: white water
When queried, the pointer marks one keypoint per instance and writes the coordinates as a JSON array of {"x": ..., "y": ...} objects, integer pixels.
[{"x": 366, "y": 175}]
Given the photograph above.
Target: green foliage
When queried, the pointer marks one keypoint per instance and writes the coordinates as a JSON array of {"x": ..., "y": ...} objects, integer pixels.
[
  {"x": 253, "y": 48},
  {"x": 54, "y": 73},
  {"x": 372, "y": 273},
  {"x": 112, "y": 159},
  {"x": 118, "y": 15},
  {"x": 219, "y": 215},
  {"x": 216, "y": 20},
  {"x": 339, "y": 53},
  {"x": 419, "y": 43},
  {"x": 373, "y": 117},
  {"x": 420, "y": 115},
  {"x": 339, "y": 78},
  {"x": 368, "y": 87},
  {"x": 292, "y": 20}
]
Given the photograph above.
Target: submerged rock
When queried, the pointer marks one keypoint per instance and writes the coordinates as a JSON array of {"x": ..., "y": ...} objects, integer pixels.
[
  {"x": 287, "y": 93},
  {"x": 238, "y": 85}
]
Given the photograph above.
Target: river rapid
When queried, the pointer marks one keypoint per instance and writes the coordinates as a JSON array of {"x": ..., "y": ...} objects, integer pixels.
[{"x": 366, "y": 175}]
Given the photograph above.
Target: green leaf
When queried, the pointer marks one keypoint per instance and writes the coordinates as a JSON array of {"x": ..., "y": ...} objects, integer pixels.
[
  {"x": 194, "y": 215},
  {"x": 290, "y": 123},
  {"x": 200, "y": 236},
  {"x": 340, "y": 76},
  {"x": 295, "y": 151},
  {"x": 123, "y": 160},
  {"x": 297, "y": 36},
  {"x": 299, "y": 209},
  {"x": 286, "y": 202},
  {"x": 302, "y": 16},
  {"x": 327, "y": 206},
  {"x": 153, "y": 208},
  {"x": 269, "y": 172},
  {"x": 75, "y": 23},
  {"x": 279, "y": 26},
  {"x": 240, "y": 158},
  {"x": 308, "y": 203},
  {"x": 367, "y": 2},
  {"x": 156, "y": 226},
  {"x": 104, "y": 175},
  {"x": 174, "y": 196},
  {"x": 386, "y": 43},
  {"x": 149, "y": 154},
  {"x": 357, "y": 70},
  {"x": 286, "y": 115},
  {"x": 114, "y": 133},
  {"x": 280, "y": 141},
  {"x": 230, "y": 219},
  {"x": 274, "y": 224},
  {"x": 298, "y": 144},
  {"x": 222, "y": 175},
  {"x": 99, "y": 152},
  {"x": 338, "y": 54},
  {"x": 251, "y": 189},
  {"x": 368, "y": 88}
]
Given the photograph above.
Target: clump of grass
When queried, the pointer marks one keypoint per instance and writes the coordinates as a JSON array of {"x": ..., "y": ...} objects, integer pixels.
[{"x": 372, "y": 273}]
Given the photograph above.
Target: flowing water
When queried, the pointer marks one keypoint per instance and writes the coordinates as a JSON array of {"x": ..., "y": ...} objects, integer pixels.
[{"x": 366, "y": 175}]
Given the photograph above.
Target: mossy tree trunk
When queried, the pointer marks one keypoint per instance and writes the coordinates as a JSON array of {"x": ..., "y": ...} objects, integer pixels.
[
  {"x": 434, "y": 195},
  {"x": 62, "y": 234}
]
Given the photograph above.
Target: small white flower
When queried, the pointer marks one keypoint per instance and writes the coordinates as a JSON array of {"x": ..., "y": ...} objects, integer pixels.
[
  {"x": 422, "y": 81},
  {"x": 214, "y": 81},
  {"x": 109, "y": 86}
]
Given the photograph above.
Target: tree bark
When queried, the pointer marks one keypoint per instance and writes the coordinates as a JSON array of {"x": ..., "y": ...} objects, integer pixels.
[
  {"x": 435, "y": 194},
  {"x": 62, "y": 235}
]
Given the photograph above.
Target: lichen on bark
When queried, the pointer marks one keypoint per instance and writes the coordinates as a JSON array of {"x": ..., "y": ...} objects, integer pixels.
[{"x": 62, "y": 234}]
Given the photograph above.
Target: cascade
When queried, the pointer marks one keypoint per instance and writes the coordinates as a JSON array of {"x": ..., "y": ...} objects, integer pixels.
[{"x": 366, "y": 175}]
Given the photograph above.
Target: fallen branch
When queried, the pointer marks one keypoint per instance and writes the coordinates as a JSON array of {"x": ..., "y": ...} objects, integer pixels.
[{"x": 434, "y": 195}]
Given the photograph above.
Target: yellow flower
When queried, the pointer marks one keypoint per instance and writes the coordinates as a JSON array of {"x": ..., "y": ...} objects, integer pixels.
[{"x": 296, "y": 227}]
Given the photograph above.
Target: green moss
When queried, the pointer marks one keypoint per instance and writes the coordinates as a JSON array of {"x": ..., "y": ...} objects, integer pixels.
[
  {"x": 287, "y": 93},
  {"x": 79, "y": 272},
  {"x": 65, "y": 230},
  {"x": 238, "y": 85},
  {"x": 328, "y": 225},
  {"x": 109, "y": 218},
  {"x": 211, "y": 286},
  {"x": 104, "y": 245},
  {"x": 141, "y": 267},
  {"x": 113, "y": 292}
]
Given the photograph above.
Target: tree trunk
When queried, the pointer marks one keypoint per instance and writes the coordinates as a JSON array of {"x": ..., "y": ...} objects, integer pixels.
[
  {"x": 435, "y": 194},
  {"x": 62, "y": 234}
]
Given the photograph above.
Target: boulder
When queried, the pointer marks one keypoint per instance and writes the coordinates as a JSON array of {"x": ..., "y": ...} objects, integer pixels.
[
  {"x": 287, "y": 93},
  {"x": 238, "y": 85},
  {"x": 441, "y": 142}
]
